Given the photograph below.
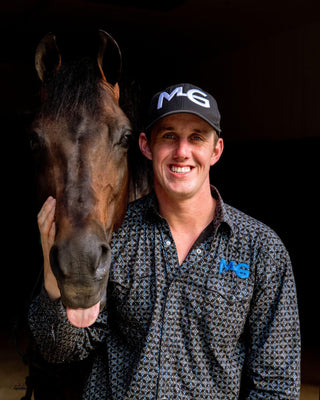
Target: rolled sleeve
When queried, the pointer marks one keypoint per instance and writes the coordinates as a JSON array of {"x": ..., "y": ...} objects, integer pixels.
[{"x": 57, "y": 340}]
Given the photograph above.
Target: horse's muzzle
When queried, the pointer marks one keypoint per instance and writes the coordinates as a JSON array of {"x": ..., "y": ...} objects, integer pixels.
[{"x": 81, "y": 265}]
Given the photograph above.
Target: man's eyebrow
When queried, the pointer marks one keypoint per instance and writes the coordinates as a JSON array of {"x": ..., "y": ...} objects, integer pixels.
[
  {"x": 166, "y": 128},
  {"x": 204, "y": 132},
  {"x": 172, "y": 128},
  {"x": 162, "y": 128}
]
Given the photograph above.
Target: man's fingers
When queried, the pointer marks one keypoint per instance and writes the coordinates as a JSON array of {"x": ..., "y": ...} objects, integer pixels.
[
  {"x": 46, "y": 215},
  {"x": 52, "y": 234},
  {"x": 46, "y": 207}
]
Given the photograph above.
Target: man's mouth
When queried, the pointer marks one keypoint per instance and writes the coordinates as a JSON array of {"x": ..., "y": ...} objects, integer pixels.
[{"x": 179, "y": 170}]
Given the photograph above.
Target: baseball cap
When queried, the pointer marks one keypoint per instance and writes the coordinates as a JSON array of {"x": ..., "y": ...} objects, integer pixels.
[{"x": 184, "y": 98}]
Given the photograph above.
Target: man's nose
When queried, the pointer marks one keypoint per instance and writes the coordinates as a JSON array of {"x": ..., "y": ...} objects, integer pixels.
[{"x": 182, "y": 149}]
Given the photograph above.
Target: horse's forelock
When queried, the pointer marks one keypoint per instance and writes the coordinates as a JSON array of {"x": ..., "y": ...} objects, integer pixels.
[{"x": 73, "y": 88}]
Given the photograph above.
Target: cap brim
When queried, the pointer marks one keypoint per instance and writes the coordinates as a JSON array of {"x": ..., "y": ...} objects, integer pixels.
[{"x": 149, "y": 126}]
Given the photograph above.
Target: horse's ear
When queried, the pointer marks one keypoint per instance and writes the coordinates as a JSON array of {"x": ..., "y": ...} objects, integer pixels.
[
  {"x": 109, "y": 58},
  {"x": 48, "y": 58}
]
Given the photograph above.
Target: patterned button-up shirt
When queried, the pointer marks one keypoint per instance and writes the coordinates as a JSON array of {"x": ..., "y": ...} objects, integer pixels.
[{"x": 222, "y": 325}]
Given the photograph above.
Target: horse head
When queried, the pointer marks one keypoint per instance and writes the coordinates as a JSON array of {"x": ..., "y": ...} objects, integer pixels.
[{"x": 80, "y": 142}]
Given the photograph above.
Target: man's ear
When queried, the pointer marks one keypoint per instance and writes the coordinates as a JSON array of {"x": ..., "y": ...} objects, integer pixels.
[
  {"x": 145, "y": 146},
  {"x": 217, "y": 151}
]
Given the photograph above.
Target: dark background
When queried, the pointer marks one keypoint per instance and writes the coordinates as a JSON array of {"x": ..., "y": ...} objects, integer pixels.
[{"x": 260, "y": 60}]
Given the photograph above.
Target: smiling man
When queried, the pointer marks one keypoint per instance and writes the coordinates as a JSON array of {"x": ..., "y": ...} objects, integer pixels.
[{"x": 201, "y": 300}]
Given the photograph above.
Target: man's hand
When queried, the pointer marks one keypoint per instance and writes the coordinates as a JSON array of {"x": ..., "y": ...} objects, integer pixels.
[{"x": 47, "y": 230}]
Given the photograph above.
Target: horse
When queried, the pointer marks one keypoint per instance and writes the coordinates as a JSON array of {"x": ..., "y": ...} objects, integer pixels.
[{"x": 81, "y": 141}]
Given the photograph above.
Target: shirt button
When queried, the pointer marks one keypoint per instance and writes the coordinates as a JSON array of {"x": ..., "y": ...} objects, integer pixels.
[
  {"x": 168, "y": 243},
  {"x": 198, "y": 251}
]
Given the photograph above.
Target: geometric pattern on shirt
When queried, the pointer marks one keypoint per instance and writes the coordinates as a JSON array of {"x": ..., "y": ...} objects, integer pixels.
[{"x": 187, "y": 332}]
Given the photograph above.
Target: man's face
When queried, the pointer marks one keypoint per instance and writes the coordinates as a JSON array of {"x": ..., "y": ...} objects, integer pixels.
[{"x": 182, "y": 149}]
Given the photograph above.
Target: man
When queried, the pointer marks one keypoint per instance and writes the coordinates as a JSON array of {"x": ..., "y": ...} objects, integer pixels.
[{"x": 201, "y": 297}]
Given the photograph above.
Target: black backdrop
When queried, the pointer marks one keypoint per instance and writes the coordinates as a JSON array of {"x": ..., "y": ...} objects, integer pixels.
[{"x": 262, "y": 66}]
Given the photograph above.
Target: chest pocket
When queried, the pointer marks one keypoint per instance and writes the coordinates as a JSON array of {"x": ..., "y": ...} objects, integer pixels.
[
  {"x": 218, "y": 304},
  {"x": 228, "y": 300}
]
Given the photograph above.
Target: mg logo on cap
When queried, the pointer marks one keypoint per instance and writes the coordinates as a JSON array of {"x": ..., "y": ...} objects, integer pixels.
[{"x": 195, "y": 95}]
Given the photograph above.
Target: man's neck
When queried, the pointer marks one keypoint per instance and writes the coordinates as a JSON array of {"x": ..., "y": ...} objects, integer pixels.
[
  {"x": 193, "y": 213},
  {"x": 187, "y": 218}
]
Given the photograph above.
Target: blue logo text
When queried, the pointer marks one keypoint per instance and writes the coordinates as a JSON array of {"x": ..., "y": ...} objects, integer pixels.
[{"x": 241, "y": 270}]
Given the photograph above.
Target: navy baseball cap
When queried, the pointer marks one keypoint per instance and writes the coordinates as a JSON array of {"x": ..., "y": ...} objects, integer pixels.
[{"x": 184, "y": 98}]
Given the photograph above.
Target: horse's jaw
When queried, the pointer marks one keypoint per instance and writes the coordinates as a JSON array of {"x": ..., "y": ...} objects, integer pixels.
[{"x": 83, "y": 310}]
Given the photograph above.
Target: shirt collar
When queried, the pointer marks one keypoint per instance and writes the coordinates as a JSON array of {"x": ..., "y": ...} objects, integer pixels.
[{"x": 221, "y": 218}]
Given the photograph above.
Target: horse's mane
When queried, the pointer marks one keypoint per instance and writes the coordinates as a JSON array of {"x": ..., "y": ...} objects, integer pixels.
[{"x": 140, "y": 168}]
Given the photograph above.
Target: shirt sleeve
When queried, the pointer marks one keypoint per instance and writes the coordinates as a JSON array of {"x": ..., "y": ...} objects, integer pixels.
[
  {"x": 273, "y": 359},
  {"x": 57, "y": 340}
]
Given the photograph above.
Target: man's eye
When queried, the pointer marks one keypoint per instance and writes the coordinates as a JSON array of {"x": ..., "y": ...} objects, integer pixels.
[
  {"x": 196, "y": 138},
  {"x": 168, "y": 136}
]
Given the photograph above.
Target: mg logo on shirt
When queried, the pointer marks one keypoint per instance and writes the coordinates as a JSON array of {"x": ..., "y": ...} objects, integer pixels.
[
  {"x": 241, "y": 270},
  {"x": 194, "y": 95}
]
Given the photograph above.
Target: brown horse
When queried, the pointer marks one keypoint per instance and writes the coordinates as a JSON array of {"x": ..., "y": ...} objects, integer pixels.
[{"x": 80, "y": 141}]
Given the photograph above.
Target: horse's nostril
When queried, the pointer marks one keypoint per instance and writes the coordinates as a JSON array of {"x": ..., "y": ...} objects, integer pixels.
[
  {"x": 105, "y": 249},
  {"x": 105, "y": 254},
  {"x": 104, "y": 262},
  {"x": 54, "y": 262},
  {"x": 81, "y": 258}
]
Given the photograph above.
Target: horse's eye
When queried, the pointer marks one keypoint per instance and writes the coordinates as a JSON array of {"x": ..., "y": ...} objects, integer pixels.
[
  {"x": 36, "y": 142},
  {"x": 125, "y": 139}
]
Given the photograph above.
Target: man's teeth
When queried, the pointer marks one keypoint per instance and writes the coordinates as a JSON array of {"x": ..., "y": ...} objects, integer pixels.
[{"x": 180, "y": 170}]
